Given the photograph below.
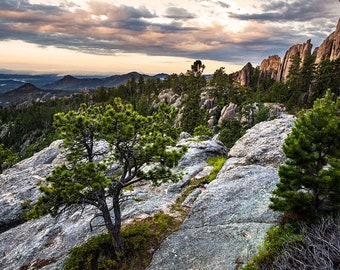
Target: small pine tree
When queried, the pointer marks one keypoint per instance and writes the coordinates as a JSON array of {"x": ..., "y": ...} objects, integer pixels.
[
  {"x": 136, "y": 141},
  {"x": 310, "y": 180},
  {"x": 7, "y": 158}
]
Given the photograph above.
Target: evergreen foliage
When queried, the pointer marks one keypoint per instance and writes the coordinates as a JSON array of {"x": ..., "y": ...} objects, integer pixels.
[
  {"x": 193, "y": 116},
  {"x": 327, "y": 77},
  {"x": 202, "y": 131},
  {"x": 309, "y": 181},
  {"x": 135, "y": 141},
  {"x": 231, "y": 130},
  {"x": 7, "y": 158},
  {"x": 28, "y": 129}
]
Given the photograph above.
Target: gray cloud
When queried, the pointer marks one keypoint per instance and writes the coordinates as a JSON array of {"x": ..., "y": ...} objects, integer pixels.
[
  {"x": 107, "y": 29},
  {"x": 224, "y": 5},
  {"x": 298, "y": 10},
  {"x": 178, "y": 13}
]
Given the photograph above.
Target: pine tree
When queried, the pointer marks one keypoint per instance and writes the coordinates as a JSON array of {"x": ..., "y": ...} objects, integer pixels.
[
  {"x": 135, "y": 141},
  {"x": 310, "y": 179}
]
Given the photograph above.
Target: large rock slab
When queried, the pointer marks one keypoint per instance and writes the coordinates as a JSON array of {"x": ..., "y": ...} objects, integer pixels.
[
  {"x": 18, "y": 185},
  {"x": 230, "y": 218},
  {"x": 45, "y": 243}
]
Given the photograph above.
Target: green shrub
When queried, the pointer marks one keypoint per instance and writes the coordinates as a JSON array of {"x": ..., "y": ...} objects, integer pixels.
[
  {"x": 231, "y": 130},
  {"x": 217, "y": 163},
  {"x": 202, "y": 131},
  {"x": 85, "y": 257},
  {"x": 140, "y": 238},
  {"x": 277, "y": 238},
  {"x": 300, "y": 246},
  {"x": 262, "y": 114}
]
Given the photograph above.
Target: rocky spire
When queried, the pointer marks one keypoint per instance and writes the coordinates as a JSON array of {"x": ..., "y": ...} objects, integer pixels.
[
  {"x": 330, "y": 47},
  {"x": 244, "y": 75},
  {"x": 302, "y": 50},
  {"x": 271, "y": 64}
]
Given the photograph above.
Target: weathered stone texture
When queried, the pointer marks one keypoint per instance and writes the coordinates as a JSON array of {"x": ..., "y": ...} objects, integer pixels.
[
  {"x": 301, "y": 50},
  {"x": 48, "y": 240},
  {"x": 229, "y": 219}
]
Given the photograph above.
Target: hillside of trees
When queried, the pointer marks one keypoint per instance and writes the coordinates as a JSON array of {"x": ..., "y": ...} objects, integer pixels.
[
  {"x": 27, "y": 130},
  {"x": 308, "y": 185}
]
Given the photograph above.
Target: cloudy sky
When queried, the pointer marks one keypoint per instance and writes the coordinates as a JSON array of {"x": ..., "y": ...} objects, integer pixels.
[{"x": 153, "y": 36}]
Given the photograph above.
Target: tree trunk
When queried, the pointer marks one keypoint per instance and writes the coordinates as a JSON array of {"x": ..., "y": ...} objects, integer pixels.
[
  {"x": 113, "y": 229},
  {"x": 117, "y": 225}
]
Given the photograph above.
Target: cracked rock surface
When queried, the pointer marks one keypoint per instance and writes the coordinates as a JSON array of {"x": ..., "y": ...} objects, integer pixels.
[
  {"x": 46, "y": 242},
  {"x": 229, "y": 219}
]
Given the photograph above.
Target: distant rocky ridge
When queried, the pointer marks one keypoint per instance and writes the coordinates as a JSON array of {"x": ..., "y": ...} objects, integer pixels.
[
  {"x": 301, "y": 50},
  {"x": 278, "y": 70},
  {"x": 270, "y": 65},
  {"x": 244, "y": 75},
  {"x": 227, "y": 223}
]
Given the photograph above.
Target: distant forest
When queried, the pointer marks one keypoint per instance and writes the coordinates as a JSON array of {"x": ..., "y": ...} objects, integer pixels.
[{"x": 26, "y": 130}]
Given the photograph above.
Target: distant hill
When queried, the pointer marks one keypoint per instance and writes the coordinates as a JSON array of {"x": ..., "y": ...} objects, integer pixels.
[
  {"x": 13, "y": 81},
  {"x": 161, "y": 76},
  {"x": 26, "y": 94},
  {"x": 70, "y": 83},
  {"x": 10, "y": 82},
  {"x": 13, "y": 88}
]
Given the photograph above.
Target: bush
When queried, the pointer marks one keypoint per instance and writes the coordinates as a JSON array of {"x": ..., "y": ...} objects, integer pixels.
[
  {"x": 273, "y": 246},
  {"x": 202, "y": 131},
  {"x": 231, "y": 131},
  {"x": 141, "y": 238},
  {"x": 313, "y": 246},
  {"x": 87, "y": 256},
  {"x": 320, "y": 248}
]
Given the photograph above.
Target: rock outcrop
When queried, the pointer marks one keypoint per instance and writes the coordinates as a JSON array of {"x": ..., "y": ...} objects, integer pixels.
[
  {"x": 270, "y": 65},
  {"x": 207, "y": 102},
  {"x": 46, "y": 242},
  {"x": 244, "y": 75},
  {"x": 301, "y": 50},
  {"x": 169, "y": 97},
  {"x": 228, "y": 112},
  {"x": 229, "y": 219},
  {"x": 330, "y": 47}
]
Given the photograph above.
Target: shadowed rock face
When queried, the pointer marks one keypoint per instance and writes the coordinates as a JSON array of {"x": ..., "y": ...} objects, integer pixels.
[
  {"x": 48, "y": 241},
  {"x": 230, "y": 218}
]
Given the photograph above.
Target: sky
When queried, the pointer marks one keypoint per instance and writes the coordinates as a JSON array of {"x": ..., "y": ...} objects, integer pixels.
[{"x": 150, "y": 37}]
